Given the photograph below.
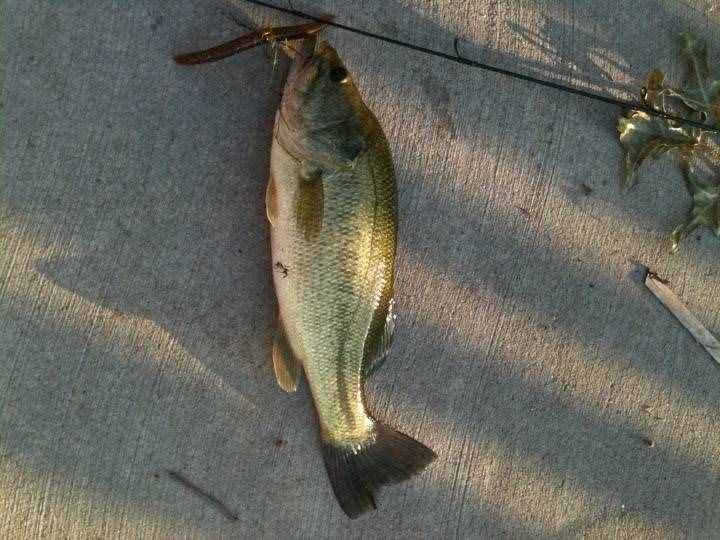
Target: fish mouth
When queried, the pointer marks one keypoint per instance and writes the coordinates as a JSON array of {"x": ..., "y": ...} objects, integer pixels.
[
  {"x": 299, "y": 76},
  {"x": 305, "y": 69},
  {"x": 312, "y": 58},
  {"x": 301, "y": 80}
]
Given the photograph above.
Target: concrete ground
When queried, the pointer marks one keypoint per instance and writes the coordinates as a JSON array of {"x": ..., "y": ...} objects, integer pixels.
[{"x": 136, "y": 306}]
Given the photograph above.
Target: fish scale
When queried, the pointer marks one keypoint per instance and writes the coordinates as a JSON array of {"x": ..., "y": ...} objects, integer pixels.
[
  {"x": 332, "y": 205},
  {"x": 329, "y": 305}
]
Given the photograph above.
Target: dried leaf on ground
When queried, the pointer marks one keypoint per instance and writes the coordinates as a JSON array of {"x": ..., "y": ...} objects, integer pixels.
[
  {"x": 705, "y": 209},
  {"x": 701, "y": 93},
  {"x": 645, "y": 136}
]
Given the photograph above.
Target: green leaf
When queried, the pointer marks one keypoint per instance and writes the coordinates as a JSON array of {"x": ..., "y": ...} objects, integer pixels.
[
  {"x": 701, "y": 93},
  {"x": 695, "y": 51},
  {"x": 700, "y": 100},
  {"x": 645, "y": 136},
  {"x": 705, "y": 209},
  {"x": 654, "y": 89}
]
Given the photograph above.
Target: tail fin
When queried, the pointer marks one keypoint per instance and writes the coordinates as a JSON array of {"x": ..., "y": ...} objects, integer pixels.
[{"x": 355, "y": 472}]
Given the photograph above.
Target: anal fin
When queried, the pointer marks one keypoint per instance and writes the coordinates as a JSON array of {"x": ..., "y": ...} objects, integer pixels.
[{"x": 285, "y": 364}]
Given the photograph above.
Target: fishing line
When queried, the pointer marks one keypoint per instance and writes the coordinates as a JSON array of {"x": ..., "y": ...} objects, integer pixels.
[{"x": 459, "y": 59}]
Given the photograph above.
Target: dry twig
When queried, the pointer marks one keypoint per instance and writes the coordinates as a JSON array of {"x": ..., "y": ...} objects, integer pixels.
[{"x": 659, "y": 287}]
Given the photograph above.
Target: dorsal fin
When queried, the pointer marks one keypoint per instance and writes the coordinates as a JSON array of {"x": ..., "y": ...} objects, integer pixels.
[{"x": 378, "y": 343}]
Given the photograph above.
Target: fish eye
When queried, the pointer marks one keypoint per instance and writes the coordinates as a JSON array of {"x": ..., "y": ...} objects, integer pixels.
[{"x": 338, "y": 74}]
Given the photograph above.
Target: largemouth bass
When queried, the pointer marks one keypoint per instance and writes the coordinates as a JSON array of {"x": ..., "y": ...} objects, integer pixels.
[{"x": 332, "y": 206}]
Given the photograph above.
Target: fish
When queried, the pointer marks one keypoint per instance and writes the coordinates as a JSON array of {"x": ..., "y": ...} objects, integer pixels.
[{"x": 331, "y": 202}]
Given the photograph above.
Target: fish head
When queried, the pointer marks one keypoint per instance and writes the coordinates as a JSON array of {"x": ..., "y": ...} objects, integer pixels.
[{"x": 322, "y": 106}]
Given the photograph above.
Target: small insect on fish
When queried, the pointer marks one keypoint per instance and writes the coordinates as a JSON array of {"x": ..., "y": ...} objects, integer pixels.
[{"x": 332, "y": 206}]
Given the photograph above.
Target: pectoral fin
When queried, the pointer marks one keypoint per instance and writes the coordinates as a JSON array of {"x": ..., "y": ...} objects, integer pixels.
[
  {"x": 310, "y": 203},
  {"x": 378, "y": 343},
  {"x": 286, "y": 365}
]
